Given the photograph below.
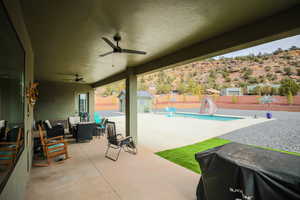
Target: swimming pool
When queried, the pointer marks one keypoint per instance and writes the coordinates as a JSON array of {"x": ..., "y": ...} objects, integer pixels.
[{"x": 205, "y": 117}]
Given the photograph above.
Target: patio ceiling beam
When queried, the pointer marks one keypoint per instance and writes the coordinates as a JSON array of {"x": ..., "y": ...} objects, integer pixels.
[
  {"x": 279, "y": 26},
  {"x": 111, "y": 79},
  {"x": 275, "y": 27}
]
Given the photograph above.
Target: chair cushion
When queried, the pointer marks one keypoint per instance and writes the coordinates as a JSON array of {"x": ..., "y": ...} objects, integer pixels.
[
  {"x": 56, "y": 145},
  {"x": 2, "y": 123},
  {"x": 74, "y": 120},
  {"x": 7, "y": 153},
  {"x": 48, "y": 124},
  {"x": 12, "y": 135}
]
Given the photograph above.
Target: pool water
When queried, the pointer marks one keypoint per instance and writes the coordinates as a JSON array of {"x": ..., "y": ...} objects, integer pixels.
[{"x": 205, "y": 117}]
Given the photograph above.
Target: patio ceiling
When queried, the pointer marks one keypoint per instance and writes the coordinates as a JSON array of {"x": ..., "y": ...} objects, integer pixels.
[{"x": 66, "y": 35}]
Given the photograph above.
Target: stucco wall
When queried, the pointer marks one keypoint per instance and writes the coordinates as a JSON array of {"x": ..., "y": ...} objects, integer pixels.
[
  {"x": 60, "y": 100},
  {"x": 15, "y": 187}
]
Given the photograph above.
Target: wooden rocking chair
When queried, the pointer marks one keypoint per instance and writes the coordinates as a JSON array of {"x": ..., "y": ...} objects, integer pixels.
[
  {"x": 10, "y": 149},
  {"x": 52, "y": 147}
]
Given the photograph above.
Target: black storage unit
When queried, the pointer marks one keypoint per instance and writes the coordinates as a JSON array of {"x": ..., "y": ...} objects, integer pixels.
[
  {"x": 241, "y": 172},
  {"x": 85, "y": 131}
]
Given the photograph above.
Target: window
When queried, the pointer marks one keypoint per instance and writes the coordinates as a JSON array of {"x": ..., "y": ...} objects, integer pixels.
[
  {"x": 12, "y": 62},
  {"x": 84, "y": 106}
]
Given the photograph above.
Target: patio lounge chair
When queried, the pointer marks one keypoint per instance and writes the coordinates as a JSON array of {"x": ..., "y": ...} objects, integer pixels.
[
  {"x": 117, "y": 141},
  {"x": 10, "y": 148},
  {"x": 52, "y": 147}
]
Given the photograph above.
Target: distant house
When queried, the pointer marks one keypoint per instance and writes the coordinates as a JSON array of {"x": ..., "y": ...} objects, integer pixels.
[
  {"x": 250, "y": 88},
  {"x": 231, "y": 92},
  {"x": 212, "y": 91},
  {"x": 144, "y": 101}
]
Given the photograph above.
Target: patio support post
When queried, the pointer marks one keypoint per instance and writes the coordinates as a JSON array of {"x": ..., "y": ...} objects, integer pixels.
[{"x": 131, "y": 106}]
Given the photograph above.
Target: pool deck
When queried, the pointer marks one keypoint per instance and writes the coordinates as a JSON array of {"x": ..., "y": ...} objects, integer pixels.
[{"x": 158, "y": 132}]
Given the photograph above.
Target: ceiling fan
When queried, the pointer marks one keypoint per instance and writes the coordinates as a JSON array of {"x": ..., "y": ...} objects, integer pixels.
[
  {"x": 117, "y": 49},
  {"x": 77, "y": 78}
]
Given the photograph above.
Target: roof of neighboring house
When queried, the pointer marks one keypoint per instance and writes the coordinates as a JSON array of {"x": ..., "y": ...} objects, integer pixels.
[
  {"x": 141, "y": 93},
  {"x": 250, "y": 87},
  {"x": 213, "y": 91},
  {"x": 233, "y": 89}
]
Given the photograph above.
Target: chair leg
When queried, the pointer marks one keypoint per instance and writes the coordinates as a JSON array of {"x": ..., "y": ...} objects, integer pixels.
[
  {"x": 109, "y": 157},
  {"x": 66, "y": 152}
]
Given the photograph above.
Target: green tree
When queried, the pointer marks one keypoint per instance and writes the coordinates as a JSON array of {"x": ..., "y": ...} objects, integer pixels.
[
  {"x": 108, "y": 90},
  {"x": 142, "y": 86},
  {"x": 274, "y": 91},
  {"x": 290, "y": 98},
  {"x": 256, "y": 91},
  {"x": 163, "y": 88},
  {"x": 266, "y": 90},
  {"x": 234, "y": 99},
  {"x": 288, "y": 85},
  {"x": 294, "y": 48},
  {"x": 181, "y": 88}
]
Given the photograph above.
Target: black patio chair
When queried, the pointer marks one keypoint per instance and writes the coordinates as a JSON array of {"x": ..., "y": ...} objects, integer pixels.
[
  {"x": 53, "y": 131},
  {"x": 101, "y": 127},
  {"x": 118, "y": 142}
]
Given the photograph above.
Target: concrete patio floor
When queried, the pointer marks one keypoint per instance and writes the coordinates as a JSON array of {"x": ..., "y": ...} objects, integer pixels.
[
  {"x": 88, "y": 175},
  {"x": 158, "y": 132}
]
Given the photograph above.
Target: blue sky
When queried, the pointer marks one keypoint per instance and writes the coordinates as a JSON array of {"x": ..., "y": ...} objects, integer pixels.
[{"x": 269, "y": 47}]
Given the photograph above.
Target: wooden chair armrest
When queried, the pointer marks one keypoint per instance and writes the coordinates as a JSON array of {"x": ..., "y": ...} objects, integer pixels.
[
  {"x": 7, "y": 143},
  {"x": 56, "y": 137},
  {"x": 126, "y": 138},
  {"x": 8, "y": 148}
]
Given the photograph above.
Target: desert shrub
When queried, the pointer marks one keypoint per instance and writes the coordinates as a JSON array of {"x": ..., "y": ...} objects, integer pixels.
[
  {"x": 268, "y": 68},
  {"x": 252, "y": 80},
  {"x": 227, "y": 79},
  {"x": 255, "y": 59},
  {"x": 288, "y": 71}
]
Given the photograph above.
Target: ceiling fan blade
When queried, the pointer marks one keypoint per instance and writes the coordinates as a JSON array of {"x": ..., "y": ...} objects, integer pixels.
[
  {"x": 109, "y": 43},
  {"x": 105, "y": 54},
  {"x": 133, "y": 51}
]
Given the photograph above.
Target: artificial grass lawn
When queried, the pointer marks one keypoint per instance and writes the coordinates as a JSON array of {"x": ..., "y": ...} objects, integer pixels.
[{"x": 185, "y": 156}]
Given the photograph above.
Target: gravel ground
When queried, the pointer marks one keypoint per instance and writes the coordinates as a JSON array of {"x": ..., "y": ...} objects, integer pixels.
[{"x": 283, "y": 133}]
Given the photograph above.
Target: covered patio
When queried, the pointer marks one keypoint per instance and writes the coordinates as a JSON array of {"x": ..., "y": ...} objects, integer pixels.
[{"x": 62, "y": 41}]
